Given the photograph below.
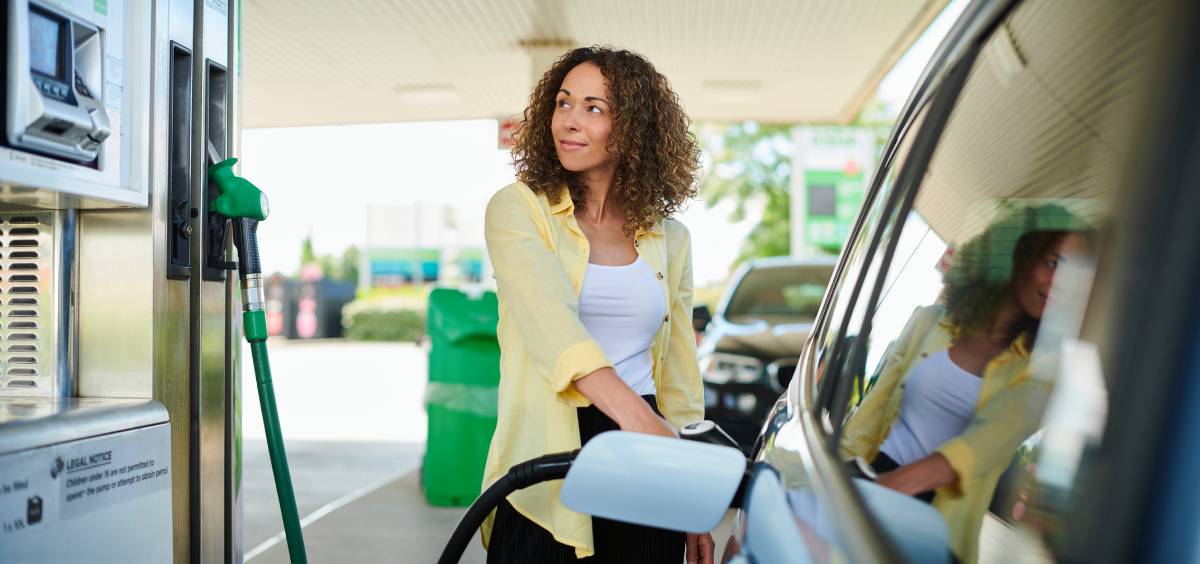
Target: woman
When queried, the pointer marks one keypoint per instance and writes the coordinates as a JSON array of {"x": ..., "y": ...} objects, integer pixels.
[
  {"x": 595, "y": 287},
  {"x": 954, "y": 399}
]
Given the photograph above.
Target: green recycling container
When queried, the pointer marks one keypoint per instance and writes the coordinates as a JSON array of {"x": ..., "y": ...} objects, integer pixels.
[{"x": 460, "y": 398}]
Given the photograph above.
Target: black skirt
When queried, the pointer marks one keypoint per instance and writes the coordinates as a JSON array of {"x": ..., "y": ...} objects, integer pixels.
[{"x": 516, "y": 539}]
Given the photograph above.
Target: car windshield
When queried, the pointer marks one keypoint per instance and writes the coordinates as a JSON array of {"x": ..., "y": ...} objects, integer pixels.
[{"x": 779, "y": 294}]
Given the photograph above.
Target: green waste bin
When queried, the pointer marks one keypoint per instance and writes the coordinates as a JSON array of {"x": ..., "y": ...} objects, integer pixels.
[{"x": 460, "y": 398}]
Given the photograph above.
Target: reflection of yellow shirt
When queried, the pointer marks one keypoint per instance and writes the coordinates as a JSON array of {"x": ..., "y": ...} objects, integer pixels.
[
  {"x": 539, "y": 256},
  {"x": 1007, "y": 413}
]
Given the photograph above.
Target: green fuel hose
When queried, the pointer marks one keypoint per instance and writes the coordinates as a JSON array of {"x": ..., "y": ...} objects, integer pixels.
[
  {"x": 255, "y": 324},
  {"x": 245, "y": 205}
]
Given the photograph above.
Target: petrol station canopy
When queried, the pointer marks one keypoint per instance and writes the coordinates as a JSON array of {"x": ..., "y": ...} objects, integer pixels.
[{"x": 315, "y": 62}]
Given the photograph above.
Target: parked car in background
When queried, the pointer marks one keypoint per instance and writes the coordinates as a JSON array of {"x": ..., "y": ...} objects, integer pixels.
[{"x": 750, "y": 346}]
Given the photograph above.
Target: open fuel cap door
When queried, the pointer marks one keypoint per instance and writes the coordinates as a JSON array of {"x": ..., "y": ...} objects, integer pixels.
[{"x": 654, "y": 481}]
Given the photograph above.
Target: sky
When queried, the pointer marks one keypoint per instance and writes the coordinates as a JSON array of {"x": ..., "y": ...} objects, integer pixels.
[{"x": 322, "y": 180}]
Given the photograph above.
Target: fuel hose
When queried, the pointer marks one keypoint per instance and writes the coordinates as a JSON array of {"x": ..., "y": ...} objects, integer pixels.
[
  {"x": 245, "y": 205},
  {"x": 541, "y": 469}
]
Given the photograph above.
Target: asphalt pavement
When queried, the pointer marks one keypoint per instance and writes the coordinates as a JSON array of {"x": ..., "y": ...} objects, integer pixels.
[{"x": 354, "y": 426}]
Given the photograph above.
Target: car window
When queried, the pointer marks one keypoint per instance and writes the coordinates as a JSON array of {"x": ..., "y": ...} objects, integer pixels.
[
  {"x": 814, "y": 514},
  {"x": 971, "y": 323},
  {"x": 830, "y": 337},
  {"x": 779, "y": 294}
]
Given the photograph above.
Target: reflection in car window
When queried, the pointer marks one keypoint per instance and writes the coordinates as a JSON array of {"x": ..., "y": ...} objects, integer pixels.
[
  {"x": 979, "y": 312},
  {"x": 855, "y": 256},
  {"x": 786, "y": 294}
]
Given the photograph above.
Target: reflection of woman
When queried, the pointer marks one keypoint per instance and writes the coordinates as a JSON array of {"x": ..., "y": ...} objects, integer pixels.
[
  {"x": 954, "y": 399},
  {"x": 595, "y": 288}
]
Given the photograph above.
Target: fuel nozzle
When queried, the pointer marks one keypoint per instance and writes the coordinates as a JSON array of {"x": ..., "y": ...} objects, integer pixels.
[{"x": 245, "y": 205}]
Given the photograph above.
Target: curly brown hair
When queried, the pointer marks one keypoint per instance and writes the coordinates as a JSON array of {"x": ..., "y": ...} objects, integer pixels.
[
  {"x": 654, "y": 153},
  {"x": 986, "y": 268}
]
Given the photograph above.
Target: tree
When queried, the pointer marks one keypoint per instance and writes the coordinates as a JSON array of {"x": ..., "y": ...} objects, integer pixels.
[
  {"x": 341, "y": 268},
  {"x": 350, "y": 264},
  {"x": 306, "y": 251},
  {"x": 750, "y": 164}
]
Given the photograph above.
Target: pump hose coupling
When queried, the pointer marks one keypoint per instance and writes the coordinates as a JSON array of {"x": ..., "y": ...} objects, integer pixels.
[{"x": 253, "y": 296}]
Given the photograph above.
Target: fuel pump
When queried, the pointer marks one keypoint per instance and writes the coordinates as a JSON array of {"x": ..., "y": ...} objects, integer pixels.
[{"x": 119, "y": 440}]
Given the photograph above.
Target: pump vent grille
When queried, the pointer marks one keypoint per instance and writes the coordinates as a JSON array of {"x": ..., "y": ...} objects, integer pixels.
[{"x": 27, "y": 339}]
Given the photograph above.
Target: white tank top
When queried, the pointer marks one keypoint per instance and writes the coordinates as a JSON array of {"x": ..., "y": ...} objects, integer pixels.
[
  {"x": 939, "y": 402},
  {"x": 622, "y": 307}
]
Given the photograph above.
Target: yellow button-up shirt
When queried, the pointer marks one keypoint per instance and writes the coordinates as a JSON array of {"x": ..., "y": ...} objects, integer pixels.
[
  {"x": 1006, "y": 413},
  {"x": 539, "y": 256}
]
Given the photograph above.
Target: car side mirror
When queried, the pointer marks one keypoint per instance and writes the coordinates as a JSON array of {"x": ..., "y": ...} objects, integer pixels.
[
  {"x": 654, "y": 481},
  {"x": 701, "y": 316}
]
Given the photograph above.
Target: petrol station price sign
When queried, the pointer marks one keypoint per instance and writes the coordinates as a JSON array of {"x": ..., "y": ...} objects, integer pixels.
[{"x": 833, "y": 165}]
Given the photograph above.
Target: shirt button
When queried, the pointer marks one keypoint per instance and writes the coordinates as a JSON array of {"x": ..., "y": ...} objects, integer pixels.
[
  {"x": 666, "y": 319},
  {"x": 924, "y": 355},
  {"x": 660, "y": 276}
]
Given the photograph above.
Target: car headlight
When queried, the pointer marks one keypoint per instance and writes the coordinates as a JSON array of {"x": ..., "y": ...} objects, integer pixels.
[
  {"x": 720, "y": 368},
  {"x": 746, "y": 403}
]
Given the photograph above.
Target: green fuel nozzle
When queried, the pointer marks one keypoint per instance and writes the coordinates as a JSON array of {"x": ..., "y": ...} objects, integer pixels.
[
  {"x": 239, "y": 197},
  {"x": 245, "y": 205}
]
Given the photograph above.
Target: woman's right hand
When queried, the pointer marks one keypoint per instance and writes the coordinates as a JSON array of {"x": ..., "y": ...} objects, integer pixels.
[
  {"x": 650, "y": 424},
  {"x": 614, "y": 399}
]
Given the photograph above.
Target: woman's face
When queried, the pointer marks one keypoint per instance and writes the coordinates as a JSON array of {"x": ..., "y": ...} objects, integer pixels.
[
  {"x": 582, "y": 120},
  {"x": 1031, "y": 295}
]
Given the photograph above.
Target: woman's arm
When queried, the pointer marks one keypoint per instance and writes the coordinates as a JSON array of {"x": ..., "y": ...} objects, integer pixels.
[
  {"x": 541, "y": 299},
  {"x": 929, "y": 473},
  {"x": 613, "y": 397},
  {"x": 996, "y": 432},
  {"x": 989, "y": 441}
]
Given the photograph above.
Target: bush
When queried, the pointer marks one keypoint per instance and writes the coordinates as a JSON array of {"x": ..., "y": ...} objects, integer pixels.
[{"x": 370, "y": 322}]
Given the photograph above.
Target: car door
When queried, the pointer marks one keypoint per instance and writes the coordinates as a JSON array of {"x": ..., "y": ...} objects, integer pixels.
[
  {"x": 796, "y": 427},
  {"x": 1044, "y": 134}
]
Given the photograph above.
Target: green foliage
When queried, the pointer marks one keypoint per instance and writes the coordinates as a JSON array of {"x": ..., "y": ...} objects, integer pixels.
[
  {"x": 387, "y": 315},
  {"x": 406, "y": 296},
  {"x": 351, "y": 258},
  {"x": 342, "y": 268},
  {"x": 378, "y": 323},
  {"x": 306, "y": 251},
  {"x": 876, "y": 114},
  {"x": 750, "y": 164}
]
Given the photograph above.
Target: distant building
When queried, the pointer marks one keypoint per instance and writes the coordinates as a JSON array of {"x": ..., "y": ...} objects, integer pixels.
[{"x": 422, "y": 243}]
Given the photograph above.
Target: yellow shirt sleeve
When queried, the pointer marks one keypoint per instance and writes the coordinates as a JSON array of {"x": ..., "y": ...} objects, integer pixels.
[
  {"x": 995, "y": 433},
  {"x": 680, "y": 386},
  {"x": 543, "y": 302},
  {"x": 865, "y": 429}
]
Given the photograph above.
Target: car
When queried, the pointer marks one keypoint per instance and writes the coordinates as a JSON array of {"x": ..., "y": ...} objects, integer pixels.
[
  {"x": 750, "y": 346},
  {"x": 1084, "y": 106}
]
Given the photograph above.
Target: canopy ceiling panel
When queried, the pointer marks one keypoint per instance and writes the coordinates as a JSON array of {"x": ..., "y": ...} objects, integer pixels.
[
  {"x": 1048, "y": 115},
  {"x": 310, "y": 62}
]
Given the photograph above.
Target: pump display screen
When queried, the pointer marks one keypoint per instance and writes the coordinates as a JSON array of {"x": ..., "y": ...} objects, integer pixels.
[{"x": 44, "y": 42}]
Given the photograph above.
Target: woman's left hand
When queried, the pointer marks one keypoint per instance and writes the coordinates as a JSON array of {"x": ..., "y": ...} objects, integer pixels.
[
  {"x": 700, "y": 548},
  {"x": 929, "y": 473}
]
